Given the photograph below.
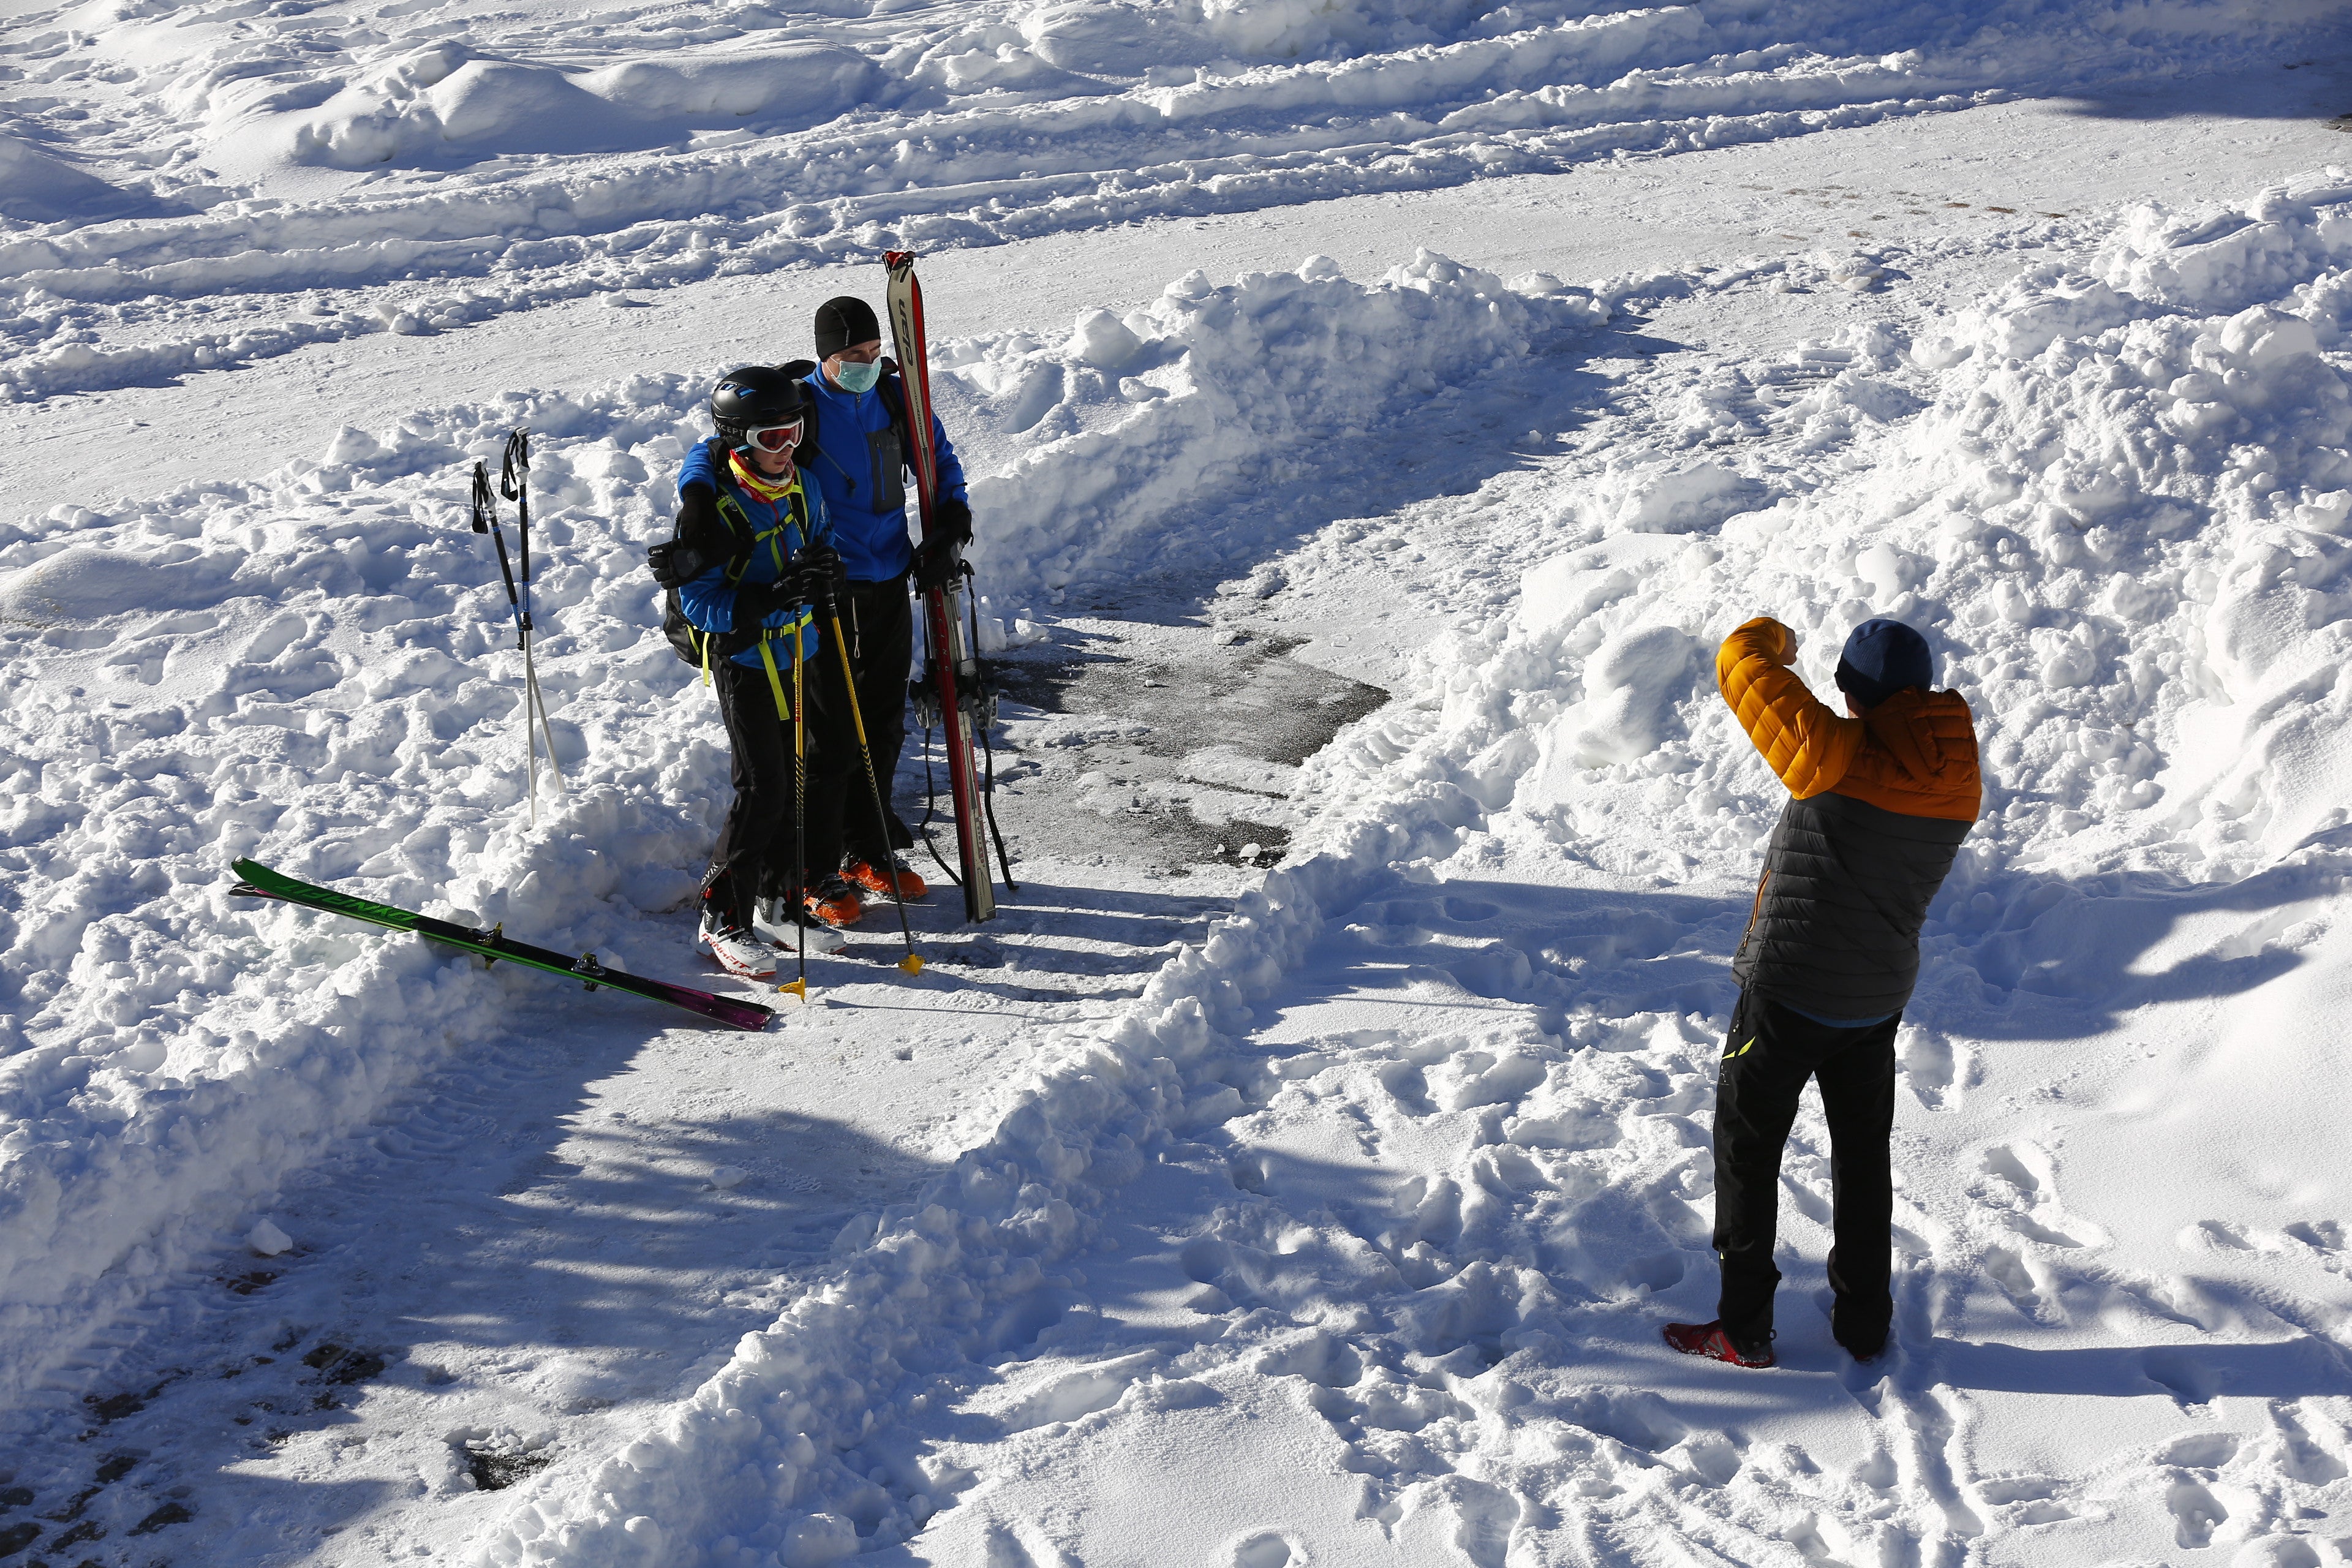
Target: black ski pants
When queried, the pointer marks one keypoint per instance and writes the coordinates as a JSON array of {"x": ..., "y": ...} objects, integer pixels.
[
  {"x": 754, "y": 858},
  {"x": 878, "y": 626},
  {"x": 1768, "y": 1056}
]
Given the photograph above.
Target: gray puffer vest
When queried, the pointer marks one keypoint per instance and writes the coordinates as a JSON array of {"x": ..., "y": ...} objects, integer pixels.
[{"x": 1847, "y": 886}]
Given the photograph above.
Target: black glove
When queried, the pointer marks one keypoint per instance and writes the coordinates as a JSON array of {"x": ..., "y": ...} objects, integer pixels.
[
  {"x": 755, "y": 601},
  {"x": 952, "y": 519},
  {"x": 689, "y": 551},
  {"x": 937, "y": 562},
  {"x": 816, "y": 569},
  {"x": 675, "y": 563}
]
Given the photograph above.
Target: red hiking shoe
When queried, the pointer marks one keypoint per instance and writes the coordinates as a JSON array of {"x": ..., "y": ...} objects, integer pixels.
[
  {"x": 1708, "y": 1339},
  {"x": 882, "y": 881}
]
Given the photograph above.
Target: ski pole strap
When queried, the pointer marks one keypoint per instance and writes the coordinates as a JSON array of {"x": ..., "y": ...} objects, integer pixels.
[
  {"x": 486, "y": 520},
  {"x": 514, "y": 483},
  {"x": 704, "y": 639},
  {"x": 931, "y": 810},
  {"x": 514, "y": 476}
]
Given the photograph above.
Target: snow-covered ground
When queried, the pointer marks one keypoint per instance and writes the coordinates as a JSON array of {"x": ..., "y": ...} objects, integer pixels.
[{"x": 1194, "y": 1211}]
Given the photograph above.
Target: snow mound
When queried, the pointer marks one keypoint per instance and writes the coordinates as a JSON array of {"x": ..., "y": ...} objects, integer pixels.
[
  {"x": 438, "y": 106},
  {"x": 2120, "y": 516},
  {"x": 82, "y": 584},
  {"x": 1139, "y": 426},
  {"x": 37, "y": 188}
]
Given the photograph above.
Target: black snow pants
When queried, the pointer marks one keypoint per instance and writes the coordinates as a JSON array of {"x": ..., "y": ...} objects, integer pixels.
[
  {"x": 754, "y": 853},
  {"x": 877, "y": 623},
  {"x": 1768, "y": 1056}
]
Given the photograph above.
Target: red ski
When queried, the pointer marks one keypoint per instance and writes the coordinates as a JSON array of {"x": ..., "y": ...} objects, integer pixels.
[{"x": 955, "y": 675}]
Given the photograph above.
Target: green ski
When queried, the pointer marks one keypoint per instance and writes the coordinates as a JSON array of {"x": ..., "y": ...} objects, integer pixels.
[{"x": 261, "y": 882}]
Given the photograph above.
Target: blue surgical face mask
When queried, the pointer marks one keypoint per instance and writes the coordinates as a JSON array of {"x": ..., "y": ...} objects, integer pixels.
[{"x": 854, "y": 377}]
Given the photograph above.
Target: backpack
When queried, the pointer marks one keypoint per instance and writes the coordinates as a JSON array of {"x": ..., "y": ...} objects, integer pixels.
[{"x": 685, "y": 639}]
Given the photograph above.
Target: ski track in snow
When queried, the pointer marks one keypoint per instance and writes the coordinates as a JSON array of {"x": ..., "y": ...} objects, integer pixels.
[
  {"x": 1351, "y": 1223},
  {"x": 499, "y": 174}
]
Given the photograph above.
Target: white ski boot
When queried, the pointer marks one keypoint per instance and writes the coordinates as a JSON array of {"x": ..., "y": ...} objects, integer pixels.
[
  {"x": 775, "y": 922},
  {"x": 739, "y": 951}
]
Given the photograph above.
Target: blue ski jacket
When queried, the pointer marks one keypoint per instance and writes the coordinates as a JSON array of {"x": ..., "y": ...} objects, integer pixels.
[
  {"x": 860, "y": 468},
  {"x": 778, "y": 531}
]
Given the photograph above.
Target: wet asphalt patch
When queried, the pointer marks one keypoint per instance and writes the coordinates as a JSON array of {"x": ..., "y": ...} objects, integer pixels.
[{"x": 1166, "y": 744}]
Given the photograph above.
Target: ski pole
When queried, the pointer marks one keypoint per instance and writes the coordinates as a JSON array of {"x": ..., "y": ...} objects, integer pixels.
[
  {"x": 913, "y": 962},
  {"x": 521, "y": 494},
  {"x": 486, "y": 520},
  {"x": 926, "y": 698},
  {"x": 514, "y": 483},
  {"x": 799, "y": 884}
]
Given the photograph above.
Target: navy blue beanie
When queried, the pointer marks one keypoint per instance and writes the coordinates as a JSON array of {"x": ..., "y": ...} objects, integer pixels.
[{"x": 1881, "y": 659}]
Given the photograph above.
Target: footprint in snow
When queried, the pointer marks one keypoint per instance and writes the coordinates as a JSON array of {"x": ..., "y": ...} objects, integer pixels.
[
  {"x": 2021, "y": 1177},
  {"x": 2321, "y": 1235},
  {"x": 1268, "y": 1550},
  {"x": 2196, "y": 1514}
]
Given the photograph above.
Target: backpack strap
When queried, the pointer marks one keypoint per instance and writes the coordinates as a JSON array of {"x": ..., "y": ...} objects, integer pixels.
[
  {"x": 739, "y": 524},
  {"x": 894, "y": 398}
]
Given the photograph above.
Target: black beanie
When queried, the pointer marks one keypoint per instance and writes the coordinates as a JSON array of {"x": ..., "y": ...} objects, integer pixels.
[
  {"x": 843, "y": 321},
  {"x": 1883, "y": 657}
]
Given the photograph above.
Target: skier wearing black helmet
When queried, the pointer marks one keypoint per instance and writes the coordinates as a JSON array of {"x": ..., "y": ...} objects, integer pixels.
[{"x": 750, "y": 537}]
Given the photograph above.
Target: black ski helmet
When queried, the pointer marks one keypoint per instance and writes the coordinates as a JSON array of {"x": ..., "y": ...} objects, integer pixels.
[{"x": 755, "y": 397}]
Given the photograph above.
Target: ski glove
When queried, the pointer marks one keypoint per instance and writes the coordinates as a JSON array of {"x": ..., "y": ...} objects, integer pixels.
[
  {"x": 683, "y": 557},
  {"x": 677, "y": 562},
  {"x": 952, "y": 519},
  {"x": 817, "y": 568},
  {"x": 937, "y": 562},
  {"x": 755, "y": 601}
]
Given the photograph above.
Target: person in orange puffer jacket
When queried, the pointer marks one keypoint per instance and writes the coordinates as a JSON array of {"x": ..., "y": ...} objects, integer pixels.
[{"x": 1880, "y": 798}]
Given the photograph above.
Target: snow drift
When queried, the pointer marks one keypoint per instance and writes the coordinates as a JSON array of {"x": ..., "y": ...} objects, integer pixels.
[{"x": 444, "y": 105}]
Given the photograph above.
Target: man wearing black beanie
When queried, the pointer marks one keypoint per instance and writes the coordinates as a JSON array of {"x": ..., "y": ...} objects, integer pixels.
[
  {"x": 1880, "y": 798},
  {"x": 860, "y": 462}
]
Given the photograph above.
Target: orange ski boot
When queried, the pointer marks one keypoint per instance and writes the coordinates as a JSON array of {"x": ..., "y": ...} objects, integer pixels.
[
  {"x": 882, "y": 881},
  {"x": 835, "y": 903}
]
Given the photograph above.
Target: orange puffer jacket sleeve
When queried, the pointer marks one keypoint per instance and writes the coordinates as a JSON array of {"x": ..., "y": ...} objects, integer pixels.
[
  {"x": 1915, "y": 754},
  {"x": 1807, "y": 745}
]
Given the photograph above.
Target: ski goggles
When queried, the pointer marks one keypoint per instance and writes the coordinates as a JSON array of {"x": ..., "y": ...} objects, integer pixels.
[{"x": 776, "y": 437}]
